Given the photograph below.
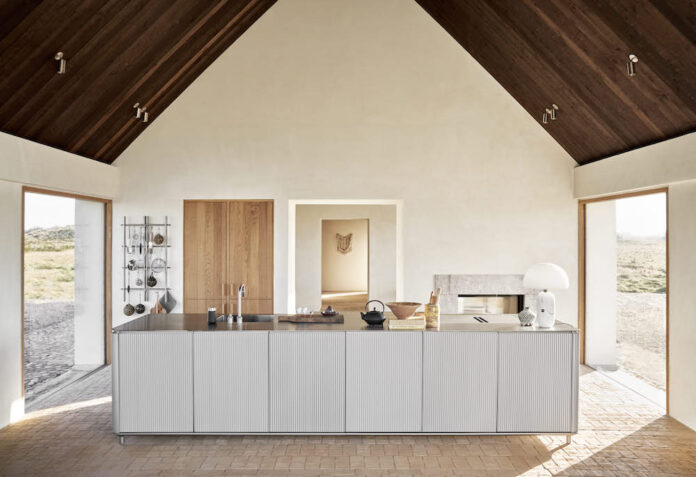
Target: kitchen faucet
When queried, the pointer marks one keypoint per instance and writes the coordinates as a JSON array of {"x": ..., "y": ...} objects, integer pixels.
[{"x": 241, "y": 293}]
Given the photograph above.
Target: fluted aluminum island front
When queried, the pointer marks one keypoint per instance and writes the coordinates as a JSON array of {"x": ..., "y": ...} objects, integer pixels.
[{"x": 175, "y": 374}]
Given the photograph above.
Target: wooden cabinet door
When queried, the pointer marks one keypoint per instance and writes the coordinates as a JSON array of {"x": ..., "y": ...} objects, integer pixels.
[
  {"x": 230, "y": 390},
  {"x": 384, "y": 372},
  {"x": 307, "y": 381},
  {"x": 251, "y": 248},
  {"x": 536, "y": 382},
  {"x": 460, "y": 377},
  {"x": 205, "y": 251},
  {"x": 155, "y": 382}
]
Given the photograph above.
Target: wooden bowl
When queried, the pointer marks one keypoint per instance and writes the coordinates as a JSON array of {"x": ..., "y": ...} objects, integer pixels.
[{"x": 403, "y": 309}]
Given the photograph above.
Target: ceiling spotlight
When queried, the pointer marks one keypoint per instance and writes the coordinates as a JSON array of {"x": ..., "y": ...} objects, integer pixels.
[
  {"x": 61, "y": 62},
  {"x": 141, "y": 113},
  {"x": 545, "y": 117},
  {"x": 631, "y": 64},
  {"x": 554, "y": 109}
]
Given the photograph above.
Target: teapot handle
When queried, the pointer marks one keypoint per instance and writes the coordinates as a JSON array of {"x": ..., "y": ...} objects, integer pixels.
[{"x": 367, "y": 308}]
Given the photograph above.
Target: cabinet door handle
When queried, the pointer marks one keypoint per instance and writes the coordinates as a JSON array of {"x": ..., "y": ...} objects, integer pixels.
[{"x": 223, "y": 289}]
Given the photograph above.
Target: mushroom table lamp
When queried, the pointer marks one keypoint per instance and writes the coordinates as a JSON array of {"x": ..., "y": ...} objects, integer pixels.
[{"x": 546, "y": 276}]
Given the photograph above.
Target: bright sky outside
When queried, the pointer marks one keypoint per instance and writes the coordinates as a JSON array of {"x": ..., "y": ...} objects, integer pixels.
[
  {"x": 642, "y": 216},
  {"x": 41, "y": 210}
]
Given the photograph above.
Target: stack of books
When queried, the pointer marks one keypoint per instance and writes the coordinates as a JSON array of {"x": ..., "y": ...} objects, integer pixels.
[{"x": 415, "y": 323}]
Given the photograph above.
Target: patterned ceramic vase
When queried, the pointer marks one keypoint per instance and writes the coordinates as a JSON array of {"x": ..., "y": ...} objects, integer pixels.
[{"x": 526, "y": 316}]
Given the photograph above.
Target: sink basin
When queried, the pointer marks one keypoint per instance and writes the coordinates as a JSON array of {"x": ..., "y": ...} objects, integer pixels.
[{"x": 257, "y": 318}]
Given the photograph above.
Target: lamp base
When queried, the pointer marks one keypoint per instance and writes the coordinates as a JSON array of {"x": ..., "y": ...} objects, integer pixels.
[{"x": 546, "y": 309}]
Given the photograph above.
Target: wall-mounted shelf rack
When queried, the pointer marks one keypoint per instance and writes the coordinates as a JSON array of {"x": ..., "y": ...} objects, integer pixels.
[{"x": 149, "y": 253}]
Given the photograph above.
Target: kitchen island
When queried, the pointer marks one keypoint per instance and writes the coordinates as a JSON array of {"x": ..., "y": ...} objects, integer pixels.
[{"x": 175, "y": 374}]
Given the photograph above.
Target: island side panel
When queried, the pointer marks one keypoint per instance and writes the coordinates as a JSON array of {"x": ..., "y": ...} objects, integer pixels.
[
  {"x": 384, "y": 381},
  {"x": 307, "y": 381},
  {"x": 230, "y": 381},
  {"x": 115, "y": 400},
  {"x": 536, "y": 382},
  {"x": 460, "y": 381},
  {"x": 155, "y": 382}
]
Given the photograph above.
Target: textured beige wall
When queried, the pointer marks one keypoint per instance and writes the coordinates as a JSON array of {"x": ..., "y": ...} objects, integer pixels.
[
  {"x": 357, "y": 99},
  {"x": 682, "y": 302},
  {"x": 344, "y": 272}
]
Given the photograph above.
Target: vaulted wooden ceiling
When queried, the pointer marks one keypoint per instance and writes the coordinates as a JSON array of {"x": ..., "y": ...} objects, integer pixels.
[
  {"x": 118, "y": 52},
  {"x": 571, "y": 53}
]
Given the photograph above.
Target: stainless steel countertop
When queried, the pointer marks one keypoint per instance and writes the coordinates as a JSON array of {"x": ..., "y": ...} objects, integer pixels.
[{"x": 352, "y": 322}]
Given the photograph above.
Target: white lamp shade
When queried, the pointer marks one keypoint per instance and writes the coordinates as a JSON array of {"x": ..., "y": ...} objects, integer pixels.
[{"x": 546, "y": 276}]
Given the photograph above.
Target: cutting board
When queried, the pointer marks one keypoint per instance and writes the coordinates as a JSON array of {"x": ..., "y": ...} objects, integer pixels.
[{"x": 315, "y": 318}]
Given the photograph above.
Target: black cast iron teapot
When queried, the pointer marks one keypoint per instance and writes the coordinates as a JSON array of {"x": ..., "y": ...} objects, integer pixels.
[{"x": 373, "y": 317}]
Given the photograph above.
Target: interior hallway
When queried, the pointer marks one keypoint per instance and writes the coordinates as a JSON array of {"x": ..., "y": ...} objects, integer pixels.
[{"x": 620, "y": 434}]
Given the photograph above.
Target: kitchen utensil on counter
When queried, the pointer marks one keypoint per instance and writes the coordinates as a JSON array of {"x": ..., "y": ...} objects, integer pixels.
[
  {"x": 373, "y": 317},
  {"x": 158, "y": 265},
  {"x": 432, "y": 310},
  {"x": 432, "y": 315},
  {"x": 212, "y": 316},
  {"x": 403, "y": 309},
  {"x": 329, "y": 311},
  {"x": 151, "y": 280},
  {"x": 526, "y": 317},
  {"x": 140, "y": 308}
]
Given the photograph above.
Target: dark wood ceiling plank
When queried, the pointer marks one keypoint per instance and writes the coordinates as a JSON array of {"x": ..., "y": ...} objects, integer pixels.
[
  {"x": 131, "y": 52},
  {"x": 517, "y": 67},
  {"x": 46, "y": 91},
  {"x": 657, "y": 43},
  {"x": 186, "y": 74},
  {"x": 196, "y": 41},
  {"x": 643, "y": 94},
  {"x": 569, "y": 60},
  {"x": 123, "y": 101},
  {"x": 574, "y": 53}
]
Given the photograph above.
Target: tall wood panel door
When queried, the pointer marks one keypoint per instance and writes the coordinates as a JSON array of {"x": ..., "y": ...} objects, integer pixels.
[
  {"x": 251, "y": 253},
  {"x": 227, "y": 243},
  {"x": 205, "y": 256}
]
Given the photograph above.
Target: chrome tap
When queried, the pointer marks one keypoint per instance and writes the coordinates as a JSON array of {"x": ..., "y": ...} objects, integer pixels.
[{"x": 241, "y": 293}]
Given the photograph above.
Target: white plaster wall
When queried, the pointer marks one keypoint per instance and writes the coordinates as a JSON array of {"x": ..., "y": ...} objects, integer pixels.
[
  {"x": 34, "y": 164},
  {"x": 682, "y": 302},
  {"x": 356, "y": 99},
  {"x": 89, "y": 283},
  {"x": 667, "y": 162},
  {"x": 382, "y": 257},
  {"x": 600, "y": 283},
  {"x": 11, "y": 402},
  {"x": 344, "y": 271}
]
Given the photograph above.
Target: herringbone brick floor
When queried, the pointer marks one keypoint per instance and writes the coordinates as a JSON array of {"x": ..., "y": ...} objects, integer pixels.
[{"x": 620, "y": 434}]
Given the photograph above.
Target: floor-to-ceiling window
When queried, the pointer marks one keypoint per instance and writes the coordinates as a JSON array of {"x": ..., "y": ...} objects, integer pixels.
[
  {"x": 64, "y": 286},
  {"x": 626, "y": 291}
]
